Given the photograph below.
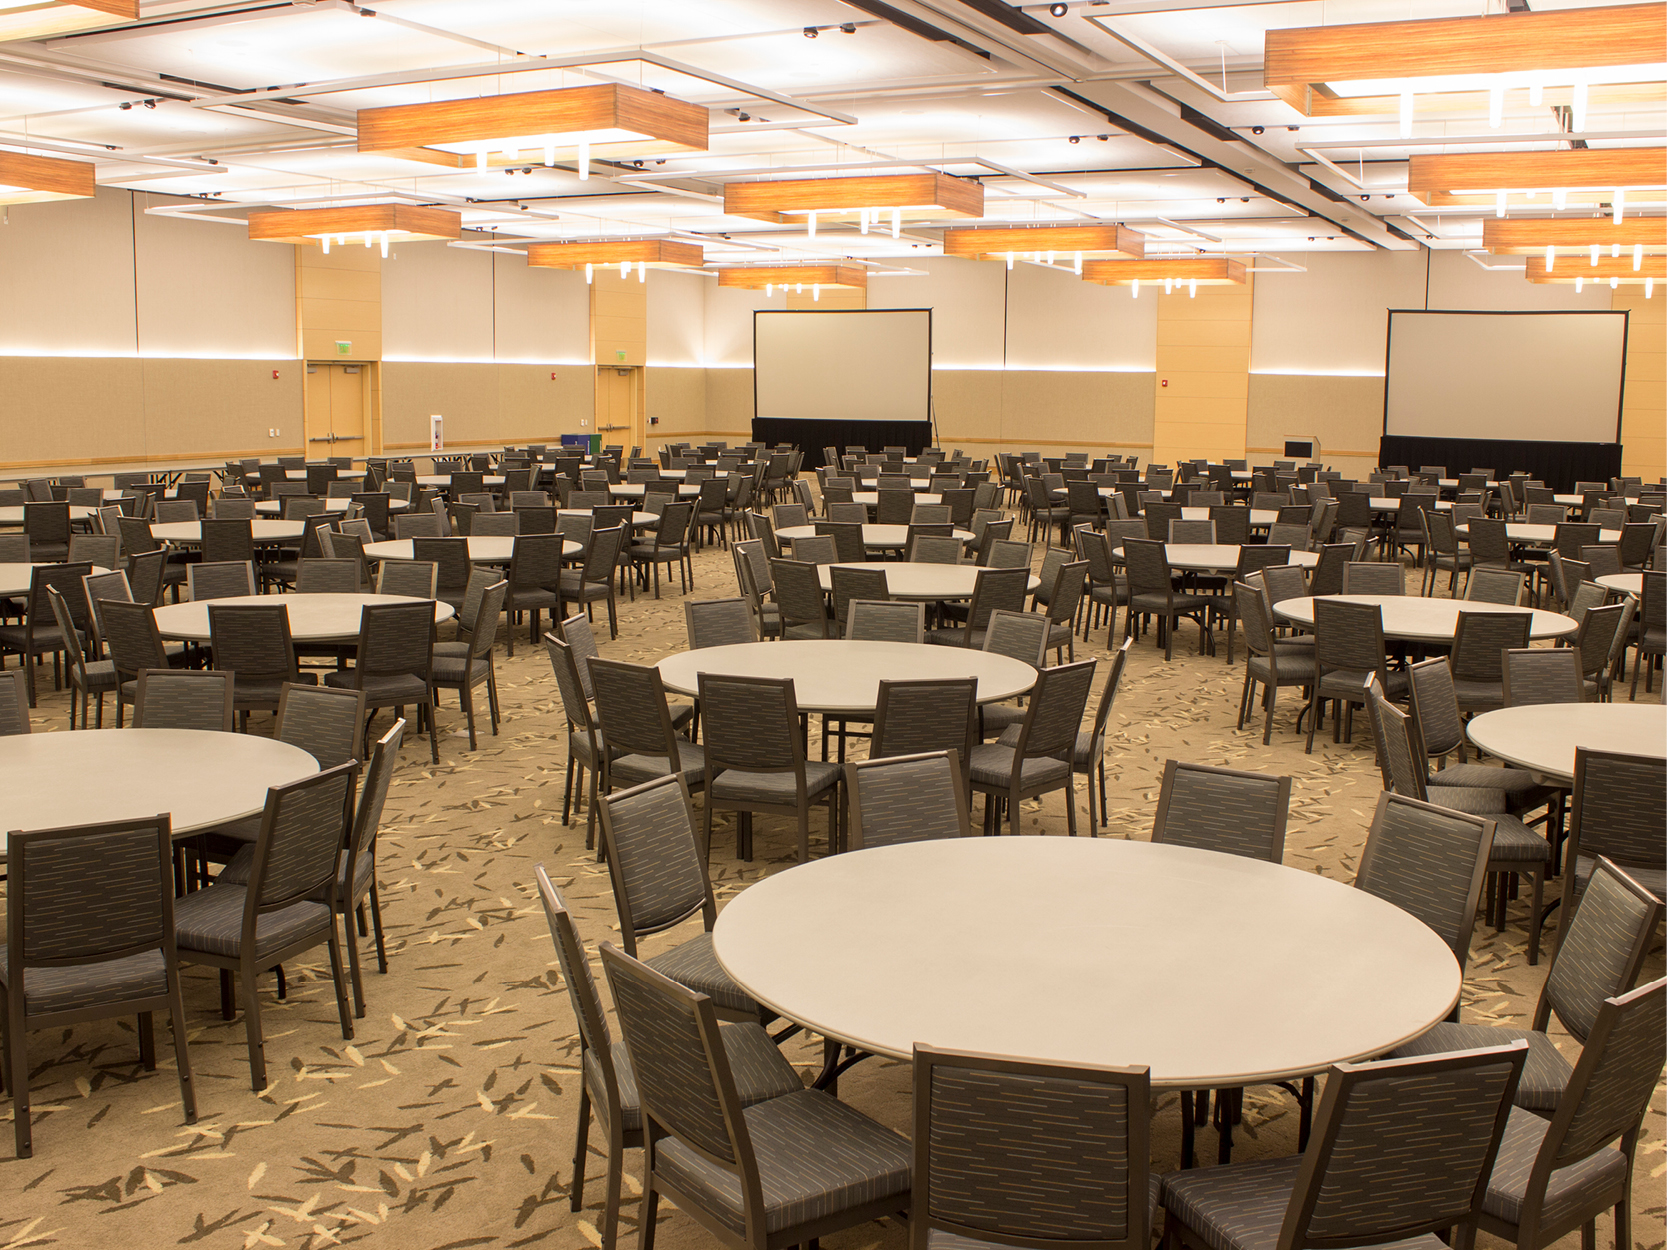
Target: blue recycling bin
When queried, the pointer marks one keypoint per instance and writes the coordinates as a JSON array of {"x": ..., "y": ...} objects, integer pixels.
[{"x": 583, "y": 442}]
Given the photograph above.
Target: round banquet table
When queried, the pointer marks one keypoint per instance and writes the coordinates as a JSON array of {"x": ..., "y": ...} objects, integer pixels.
[
  {"x": 1624, "y": 583},
  {"x": 312, "y": 618},
  {"x": 1393, "y": 504},
  {"x": 483, "y": 549},
  {"x": 203, "y": 778},
  {"x": 872, "y": 497},
  {"x": 893, "y": 536},
  {"x": 637, "y": 518},
  {"x": 636, "y": 490},
  {"x": 190, "y": 533},
  {"x": 1216, "y": 557},
  {"x": 443, "y": 480},
  {"x": 928, "y": 583},
  {"x": 275, "y": 507},
  {"x": 1089, "y": 951},
  {"x": 16, "y": 578},
  {"x": 1416, "y": 619},
  {"x": 12, "y": 513},
  {"x": 1260, "y": 518},
  {"x": 915, "y": 483},
  {"x": 1539, "y": 535},
  {"x": 837, "y": 677},
  {"x": 1542, "y": 736}
]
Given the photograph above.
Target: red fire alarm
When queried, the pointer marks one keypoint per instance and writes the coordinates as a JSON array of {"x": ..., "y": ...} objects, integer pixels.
[
  {"x": 552, "y": 377},
  {"x": 274, "y": 375},
  {"x": 1164, "y": 382}
]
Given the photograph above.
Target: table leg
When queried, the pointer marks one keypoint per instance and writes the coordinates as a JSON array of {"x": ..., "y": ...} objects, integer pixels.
[{"x": 1187, "y": 1131}]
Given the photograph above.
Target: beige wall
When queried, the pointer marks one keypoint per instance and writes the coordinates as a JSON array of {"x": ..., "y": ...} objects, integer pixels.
[
  {"x": 1644, "y": 406},
  {"x": 482, "y": 403}
]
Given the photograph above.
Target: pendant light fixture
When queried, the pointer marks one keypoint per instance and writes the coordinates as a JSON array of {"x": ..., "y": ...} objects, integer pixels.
[
  {"x": 641, "y": 254},
  {"x": 372, "y": 225},
  {"x": 1097, "y": 242},
  {"x": 32, "y": 19},
  {"x": 768, "y": 277},
  {"x": 29, "y": 179},
  {"x": 904, "y": 197}
]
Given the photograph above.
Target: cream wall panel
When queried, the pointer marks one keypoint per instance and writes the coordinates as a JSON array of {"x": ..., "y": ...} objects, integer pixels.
[
  {"x": 1055, "y": 320},
  {"x": 832, "y": 300},
  {"x": 540, "y": 316},
  {"x": 206, "y": 290},
  {"x": 965, "y": 296},
  {"x": 676, "y": 317},
  {"x": 436, "y": 303},
  {"x": 968, "y": 405},
  {"x": 533, "y": 407},
  {"x": 1456, "y": 281},
  {"x": 1644, "y": 404},
  {"x": 221, "y": 407},
  {"x": 1333, "y": 318},
  {"x": 483, "y": 403},
  {"x": 69, "y": 409},
  {"x": 70, "y": 265},
  {"x": 361, "y": 285},
  {"x": 728, "y": 329},
  {"x": 676, "y": 397},
  {"x": 1344, "y": 413},
  {"x": 729, "y": 403},
  {"x": 1234, "y": 334}
]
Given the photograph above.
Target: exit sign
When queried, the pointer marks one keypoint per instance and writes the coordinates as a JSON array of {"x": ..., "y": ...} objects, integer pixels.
[
  {"x": 344, "y": 347},
  {"x": 619, "y": 355}
]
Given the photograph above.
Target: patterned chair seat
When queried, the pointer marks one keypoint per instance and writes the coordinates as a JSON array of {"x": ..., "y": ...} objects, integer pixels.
[
  {"x": 1350, "y": 683},
  {"x": 1515, "y": 841},
  {"x": 1243, "y": 1207},
  {"x": 816, "y": 1156},
  {"x": 211, "y": 920},
  {"x": 1001, "y": 718},
  {"x": 1652, "y": 879},
  {"x": 1153, "y": 601},
  {"x": 1287, "y": 666},
  {"x": 1568, "y": 1190},
  {"x": 695, "y": 964},
  {"x": 631, "y": 770},
  {"x": 1471, "y": 800},
  {"x": 739, "y": 786},
  {"x": 79, "y": 986},
  {"x": 757, "y": 1064},
  {"x": 938, "y": 1239},
  {"x": 392, "y": 690},
  {"x": 263, "y": 692},
  {"x": 1082, "y": 755},
  {"x": 1474, "y": 695},
  {"x": 992, "y": 765},
  {"x": 1544, "y": 1077},
  {"x": 237, "y": 869},
  {"x": 450, "y": 669},
  {"x": 952, "y": 637},
  {"x": 101, "y": 675},
  {"x": 1522, "y": 790}
]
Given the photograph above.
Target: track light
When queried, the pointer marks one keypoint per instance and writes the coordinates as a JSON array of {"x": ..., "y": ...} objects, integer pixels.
[
  {"x": 850, "y": 28},
  {"x": 811, "y": 32},
  {"x": 1059, "y": 10}
]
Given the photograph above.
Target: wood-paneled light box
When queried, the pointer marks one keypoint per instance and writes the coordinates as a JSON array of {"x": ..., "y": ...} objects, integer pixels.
[
  {"x": 883, "y": 201},
  {"x": 1173, "y": 272},
  {"x": 767, "y": 278},
  {"x": 1574, "y": 236},
  {"x": 1560, "y": 57},
  {"x": 534, "y": 127},
  {"x": 1634, "y": 269},
  {"x": 1615, "y": 177},
  {"x": 28, "y": 179},
  {"x": 1071, "y": 245},
  {"x": 370, "y": 224},
  {"x": 31, "y": 19},
  {"x": 641, "y": 254}
]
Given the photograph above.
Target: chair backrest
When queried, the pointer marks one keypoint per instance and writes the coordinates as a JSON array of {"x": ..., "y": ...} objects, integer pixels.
[
  {"x": 918, "y": 717},
  {"x": 1018, "y": 636},
  {"x": 654, "y": 859},
  {"x": 870, "y": 620},
  {"x": 1024, "y": 1153},
  {"x": 995, "y": 590},
  {"x": 367, "y": 813},
  {"x": 1349, "y": 636},
  {"x": 1182, "y": 531},
  {"x": 848, "y": 584},
  {"x": 1481, "y": 640},
  {"x": 1328, "y": 570},
  {"x": 1368, "y": 578},
  {"x": 1601, "y": 949},
  {"x": 1616, "y": 811},
  {"x": 576, "y": 632},
  {"x": 252, "y": 641},
  {"x": 415, "y": 579},
  {"x": 99, "y": 550},
  {"x": 1054, "y": 713},
  {"x": 178, "y": 699},
  {"x": 1429, "y": 861},
  {"x": 1595, "y": 640},
  {"x": 751, "y": 724},
  {"x": 798, "y": 592},
  {"x": 1008, "y": 553},
  {"x": 631, "y": 710},
  {"x": 395, "y": 640},
  {"x": 130, "y": 632},
  {"x": 907, "y": 798},
  {"x": 417, "y": 525},
  {"x": 220, "y": 580},
  {"x": 451, "y": 559},
  {"x": 1542, "y": 675},
  {"x": 595, "y": 1040},
  {"x": 717, "y": 622},
  {"x": 14, "y": 703},
  {"x": 1401, "y": 755},
  {"x": 302, "y": 830},
  {"x": 1490, "y": 584},
  {"x": 1223, "y": 809},
  {"x": 1403, "y": 1148},
  {"x": 332, "y": 576},
  {"x": 325, "y": 722}
]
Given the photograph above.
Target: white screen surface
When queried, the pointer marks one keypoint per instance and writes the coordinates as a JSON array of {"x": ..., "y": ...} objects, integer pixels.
[
  {"x": 1551, "y": 377},
  {"x": 843, "y": 366}
]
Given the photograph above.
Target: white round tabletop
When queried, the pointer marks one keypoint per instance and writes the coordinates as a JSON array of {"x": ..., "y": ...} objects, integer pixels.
[
  {"x": 1625, "y": 583},
  {"x": 190, "y": 533},
  {"x": 1452, "y": 483},
  {"x": 202, "y": 778},
  {"x": 872, "y": 497},
  {"x": 483, "y": 549},
  {"x": 112, "y": 495},
  {"x": 1216, "y": 557},
  {"x": 300, "y": 475},
  {"x": 1569, "y": 501},
  {"x": 637, "y": 518},
  {"x": 275, "y": 507},
  {"x": 837, "y": 675},
  {"x": 1089, "y": 950},
  {"x": 1539, "y": 535},
  {"x": 915, "y": 483},
  {"x": 1543, "y": 736},
  {"x": 15, "y": 578},
  {"x": 636, "y": 490},
  {"x": 1416, "y": 619},
  {"x": 1379, "y": 504},
  {"x": 12, "y": 514},
  {"x": 312, "y": 618},
  {"x": 926, "y": 582},
  {"x": 443, "y": 480},
  {"x": 872, "y": 535}
]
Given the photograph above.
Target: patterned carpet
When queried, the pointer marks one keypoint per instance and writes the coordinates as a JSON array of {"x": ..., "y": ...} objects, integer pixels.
[{"x": 447, "y": 1121}]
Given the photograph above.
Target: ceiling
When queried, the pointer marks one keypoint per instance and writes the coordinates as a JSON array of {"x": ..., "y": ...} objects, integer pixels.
[{"x": 1149, "y": 112}]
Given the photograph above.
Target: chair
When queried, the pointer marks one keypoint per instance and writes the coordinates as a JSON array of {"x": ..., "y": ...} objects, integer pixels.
[
  {"x": 46, "y": 525},
  {"x": 906, "y": 798},
  {"x": 1541, "y": 675},
  {"x": 14, "y": 705},
  {"x": 799, "y": 599},
  {"x": 1491, "y": 584},
  {"x": 921, "y": 717},
  {"x": 1015, "y": 1152},
  {"x": 1348, "y": 651},
  {"x": 1021, "y": 636},
  {"x": 39, "y": 634},
  {"x": 410, "y": 579},
  {"x": 395, "y": 664},
  {"x": 717, "y": 623},
  {"x": 327, "y": 577},
  {"x": 1478, "y": 662},
  {"x": 1327, "y": 578},
  {"x": 1192, "y": 532},
  {"x": 1372, "y": 579},
  {"x": 1449, "y": 556},
  {"x": 755, "y": 760},
  {"x": 495, "y": 524},
  {"x": 1615, "y": 812},
  {"x": 594, "y": 580},
  {"x": 635, "y": 728},
  {"x": 1652, "y": 630},
  {"x": 1152, "y": 593},
  {"x": 175, "y": 699},
  {"x": 253, "y": 644},
  {"x": 782, "y": 1172},
  {"x": 220, "y": 580},
  {"x": 815, "y": 549},
  {"x": 90, "y": 934},
  {"x": 1038, "y": 759},
  {"x": 1602, "y": 634},
  {"x": 100, "y": 550},
  {"x": 869, "y": 620},
  {"x": 287, "y": 907},
  {"x": 854, "y": 583},
  {"x": 450, "y": 556},
  {"x": 1402, "y": 1151},
  {"x": 1269, "y": 662},
  {"x": 474, "y": 667},
  {"x": 532, "y": 585},
  {"x": 1599, "y": 956},
  {"x": 659, "y": 878},
  {"x": 1222, "y": 809},
  {"x": 608, "y": 1079},
  {"x": 994, "y": 590},
  {"x": 1438, "y": 731},
  {"x": 417, "y": 525}
]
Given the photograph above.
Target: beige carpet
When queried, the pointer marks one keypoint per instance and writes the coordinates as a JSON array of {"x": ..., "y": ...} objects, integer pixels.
[{"x": 448, "y": 1120}]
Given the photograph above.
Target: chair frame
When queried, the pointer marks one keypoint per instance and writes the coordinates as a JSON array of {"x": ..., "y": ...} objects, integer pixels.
[{"x": 854, "y": 770}]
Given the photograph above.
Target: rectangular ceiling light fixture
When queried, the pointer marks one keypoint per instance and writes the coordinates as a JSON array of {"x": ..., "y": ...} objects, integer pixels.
[
  {"x": 1540, "y": 179},
  {"x": 32, "y": 19},
  {"x": 875, "y": 202},
  {"x": 1378, "y": 66},
  {"x": 534, "y": 127},
  {"x": 768, "y": 277},
  {"x": 1203, "y": 270},
  {"x": 1574, "y": 237},
  {"x": 369, "y": 224},
  {"x": 1071, "y": 245},
  {"x": 628, "y": 254},
  {"x": 1628, "y": 269},
  {"x": 27, "y": 179}
]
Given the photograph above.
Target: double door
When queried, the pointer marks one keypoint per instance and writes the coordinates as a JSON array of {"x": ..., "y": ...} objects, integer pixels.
[{"x": 337, "y": 405}]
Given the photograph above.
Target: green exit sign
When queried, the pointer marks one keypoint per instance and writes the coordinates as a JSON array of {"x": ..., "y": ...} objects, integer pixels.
[
  {"x": 619, "y": 355},
  {"x": 344, "y": 347}
]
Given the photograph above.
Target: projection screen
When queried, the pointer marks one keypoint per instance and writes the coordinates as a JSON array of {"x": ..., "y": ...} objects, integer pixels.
[
  {"x": 843, "y": 366},
  {"x": 1536, "y": 376}
]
